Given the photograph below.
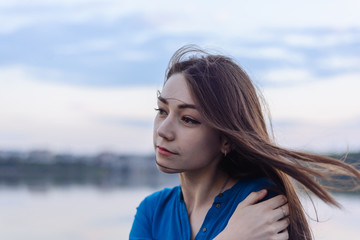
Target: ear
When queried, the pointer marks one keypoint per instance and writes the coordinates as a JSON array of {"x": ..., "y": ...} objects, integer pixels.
[{"x": 225, "y": 145}]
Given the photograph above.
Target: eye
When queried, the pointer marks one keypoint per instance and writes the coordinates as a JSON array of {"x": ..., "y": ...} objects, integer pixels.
[
  {"x": 189, "y": 120},
  {"x": 160, "y": 111}
]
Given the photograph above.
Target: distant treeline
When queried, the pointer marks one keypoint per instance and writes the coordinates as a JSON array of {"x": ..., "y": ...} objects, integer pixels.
[
  {"x": 57, "y": 173},
  {"x": 351, "y": 158},
  {"x": 42, "y": 168},
  {"x": 345, "y": 183}
]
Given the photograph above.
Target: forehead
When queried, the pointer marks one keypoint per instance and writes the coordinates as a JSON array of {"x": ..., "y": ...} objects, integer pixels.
[{"x": 176, "y": 88}]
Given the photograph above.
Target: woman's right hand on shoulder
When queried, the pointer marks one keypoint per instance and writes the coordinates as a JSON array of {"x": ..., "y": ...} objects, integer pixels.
[{"x": 254, "y": 220}]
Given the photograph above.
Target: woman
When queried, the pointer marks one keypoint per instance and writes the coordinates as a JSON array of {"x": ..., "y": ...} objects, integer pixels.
[{"x": 211, "y": 131}]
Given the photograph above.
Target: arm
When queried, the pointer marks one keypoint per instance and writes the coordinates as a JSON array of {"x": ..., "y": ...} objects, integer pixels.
[
  {"x": 141, "y": 228},
  {"x": 258, "y": 221}
]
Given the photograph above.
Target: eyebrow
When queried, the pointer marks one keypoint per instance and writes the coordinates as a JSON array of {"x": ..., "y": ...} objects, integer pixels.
[{"x": 181, "y": 106}]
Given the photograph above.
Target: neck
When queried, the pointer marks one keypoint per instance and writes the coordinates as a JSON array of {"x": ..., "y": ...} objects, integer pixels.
[{"x": 200, "y": 189}]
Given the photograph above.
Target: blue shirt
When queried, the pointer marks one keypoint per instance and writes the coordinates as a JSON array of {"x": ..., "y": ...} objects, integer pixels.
[{"x": 163, "y": 214}]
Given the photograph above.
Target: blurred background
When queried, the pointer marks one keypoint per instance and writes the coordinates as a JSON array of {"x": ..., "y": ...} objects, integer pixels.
[{"x": 78, "y": 82}]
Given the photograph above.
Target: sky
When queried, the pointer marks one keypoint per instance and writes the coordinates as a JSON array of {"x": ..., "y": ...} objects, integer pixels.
[{"x": 81, "y": 76}]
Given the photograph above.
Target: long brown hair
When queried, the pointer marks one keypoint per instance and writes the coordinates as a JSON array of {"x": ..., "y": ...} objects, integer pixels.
[{"x": 229, "y": 102}]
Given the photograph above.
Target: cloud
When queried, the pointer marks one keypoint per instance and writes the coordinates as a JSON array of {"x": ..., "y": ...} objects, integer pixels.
[
  {"x": 328, "y": 100},
  {"x": 285, "y": 76},
  {"x": 269, "y": 53},
  {"x": 93, "y": 45},
  {"x": 53, "y": 51},
  {"x": 319, "y": 115},
  {"x": 56, "y": 116},
  {"x": 224, "y": 19},
  {"x": 319, "y": 138},
  {"x": 310, "y": 39},
  {"x": 103, "y": 46},
  {"x": 64, "y": 117},
  {"x": 340, "y": 62}
]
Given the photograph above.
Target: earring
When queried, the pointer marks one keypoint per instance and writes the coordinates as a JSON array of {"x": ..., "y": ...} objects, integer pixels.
[{"x": 225, "y": 153}]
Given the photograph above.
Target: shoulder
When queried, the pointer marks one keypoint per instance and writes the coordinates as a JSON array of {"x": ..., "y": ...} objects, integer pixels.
[
  {"x": 260, "y": 182},
  {"x": 159, "y": 198},
  {"x": 150, "y": 210},
  {"x": 163, "y": 194},
  {"x": 248, "y": 185},
  {"x": 255, "y": 182}
]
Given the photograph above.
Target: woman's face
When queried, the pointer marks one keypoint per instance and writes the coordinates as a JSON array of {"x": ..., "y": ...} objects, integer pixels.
[{"x": 182, "y": 141}]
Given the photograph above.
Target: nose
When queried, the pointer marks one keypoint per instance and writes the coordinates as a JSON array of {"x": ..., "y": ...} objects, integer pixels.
[{"x": 165, "y": 128}]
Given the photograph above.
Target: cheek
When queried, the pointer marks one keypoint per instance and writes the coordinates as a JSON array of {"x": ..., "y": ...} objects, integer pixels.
[
  {"x": 155, "y": 127},
  {"x": 212, "y": 138},
  {"x": 208, "y": 144},
  {"x": 212, "y": 143}
]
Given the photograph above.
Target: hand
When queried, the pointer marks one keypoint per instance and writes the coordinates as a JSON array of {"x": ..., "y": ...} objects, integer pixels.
[{"x": 251, "y": 220}]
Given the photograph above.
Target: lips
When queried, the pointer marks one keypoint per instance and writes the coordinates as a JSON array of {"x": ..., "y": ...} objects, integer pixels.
[{"x": 165, "y": 151}]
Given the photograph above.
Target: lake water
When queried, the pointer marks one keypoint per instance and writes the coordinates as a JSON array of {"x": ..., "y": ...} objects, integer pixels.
[{"x": 86, "y": 213}]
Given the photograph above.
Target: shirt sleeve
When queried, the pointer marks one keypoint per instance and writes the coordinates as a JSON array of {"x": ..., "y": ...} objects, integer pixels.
[{"x": 141, "y": 228}]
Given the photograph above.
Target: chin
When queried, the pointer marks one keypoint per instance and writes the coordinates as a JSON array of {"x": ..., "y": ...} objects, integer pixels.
[{"x": 166, "y": 169}]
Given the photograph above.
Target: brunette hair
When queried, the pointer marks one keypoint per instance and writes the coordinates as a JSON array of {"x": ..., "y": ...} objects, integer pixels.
[{"x": 229, "y": 103}]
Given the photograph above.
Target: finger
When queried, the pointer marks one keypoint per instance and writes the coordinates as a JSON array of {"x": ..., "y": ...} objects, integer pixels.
[
  {"x": 284, "y": 235},
  {"x": 254, "y": 197},
  {"x": 282, "y": 212},
  {"x": 275, "y": 202},
  {"x": 281, "y": 225}
]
